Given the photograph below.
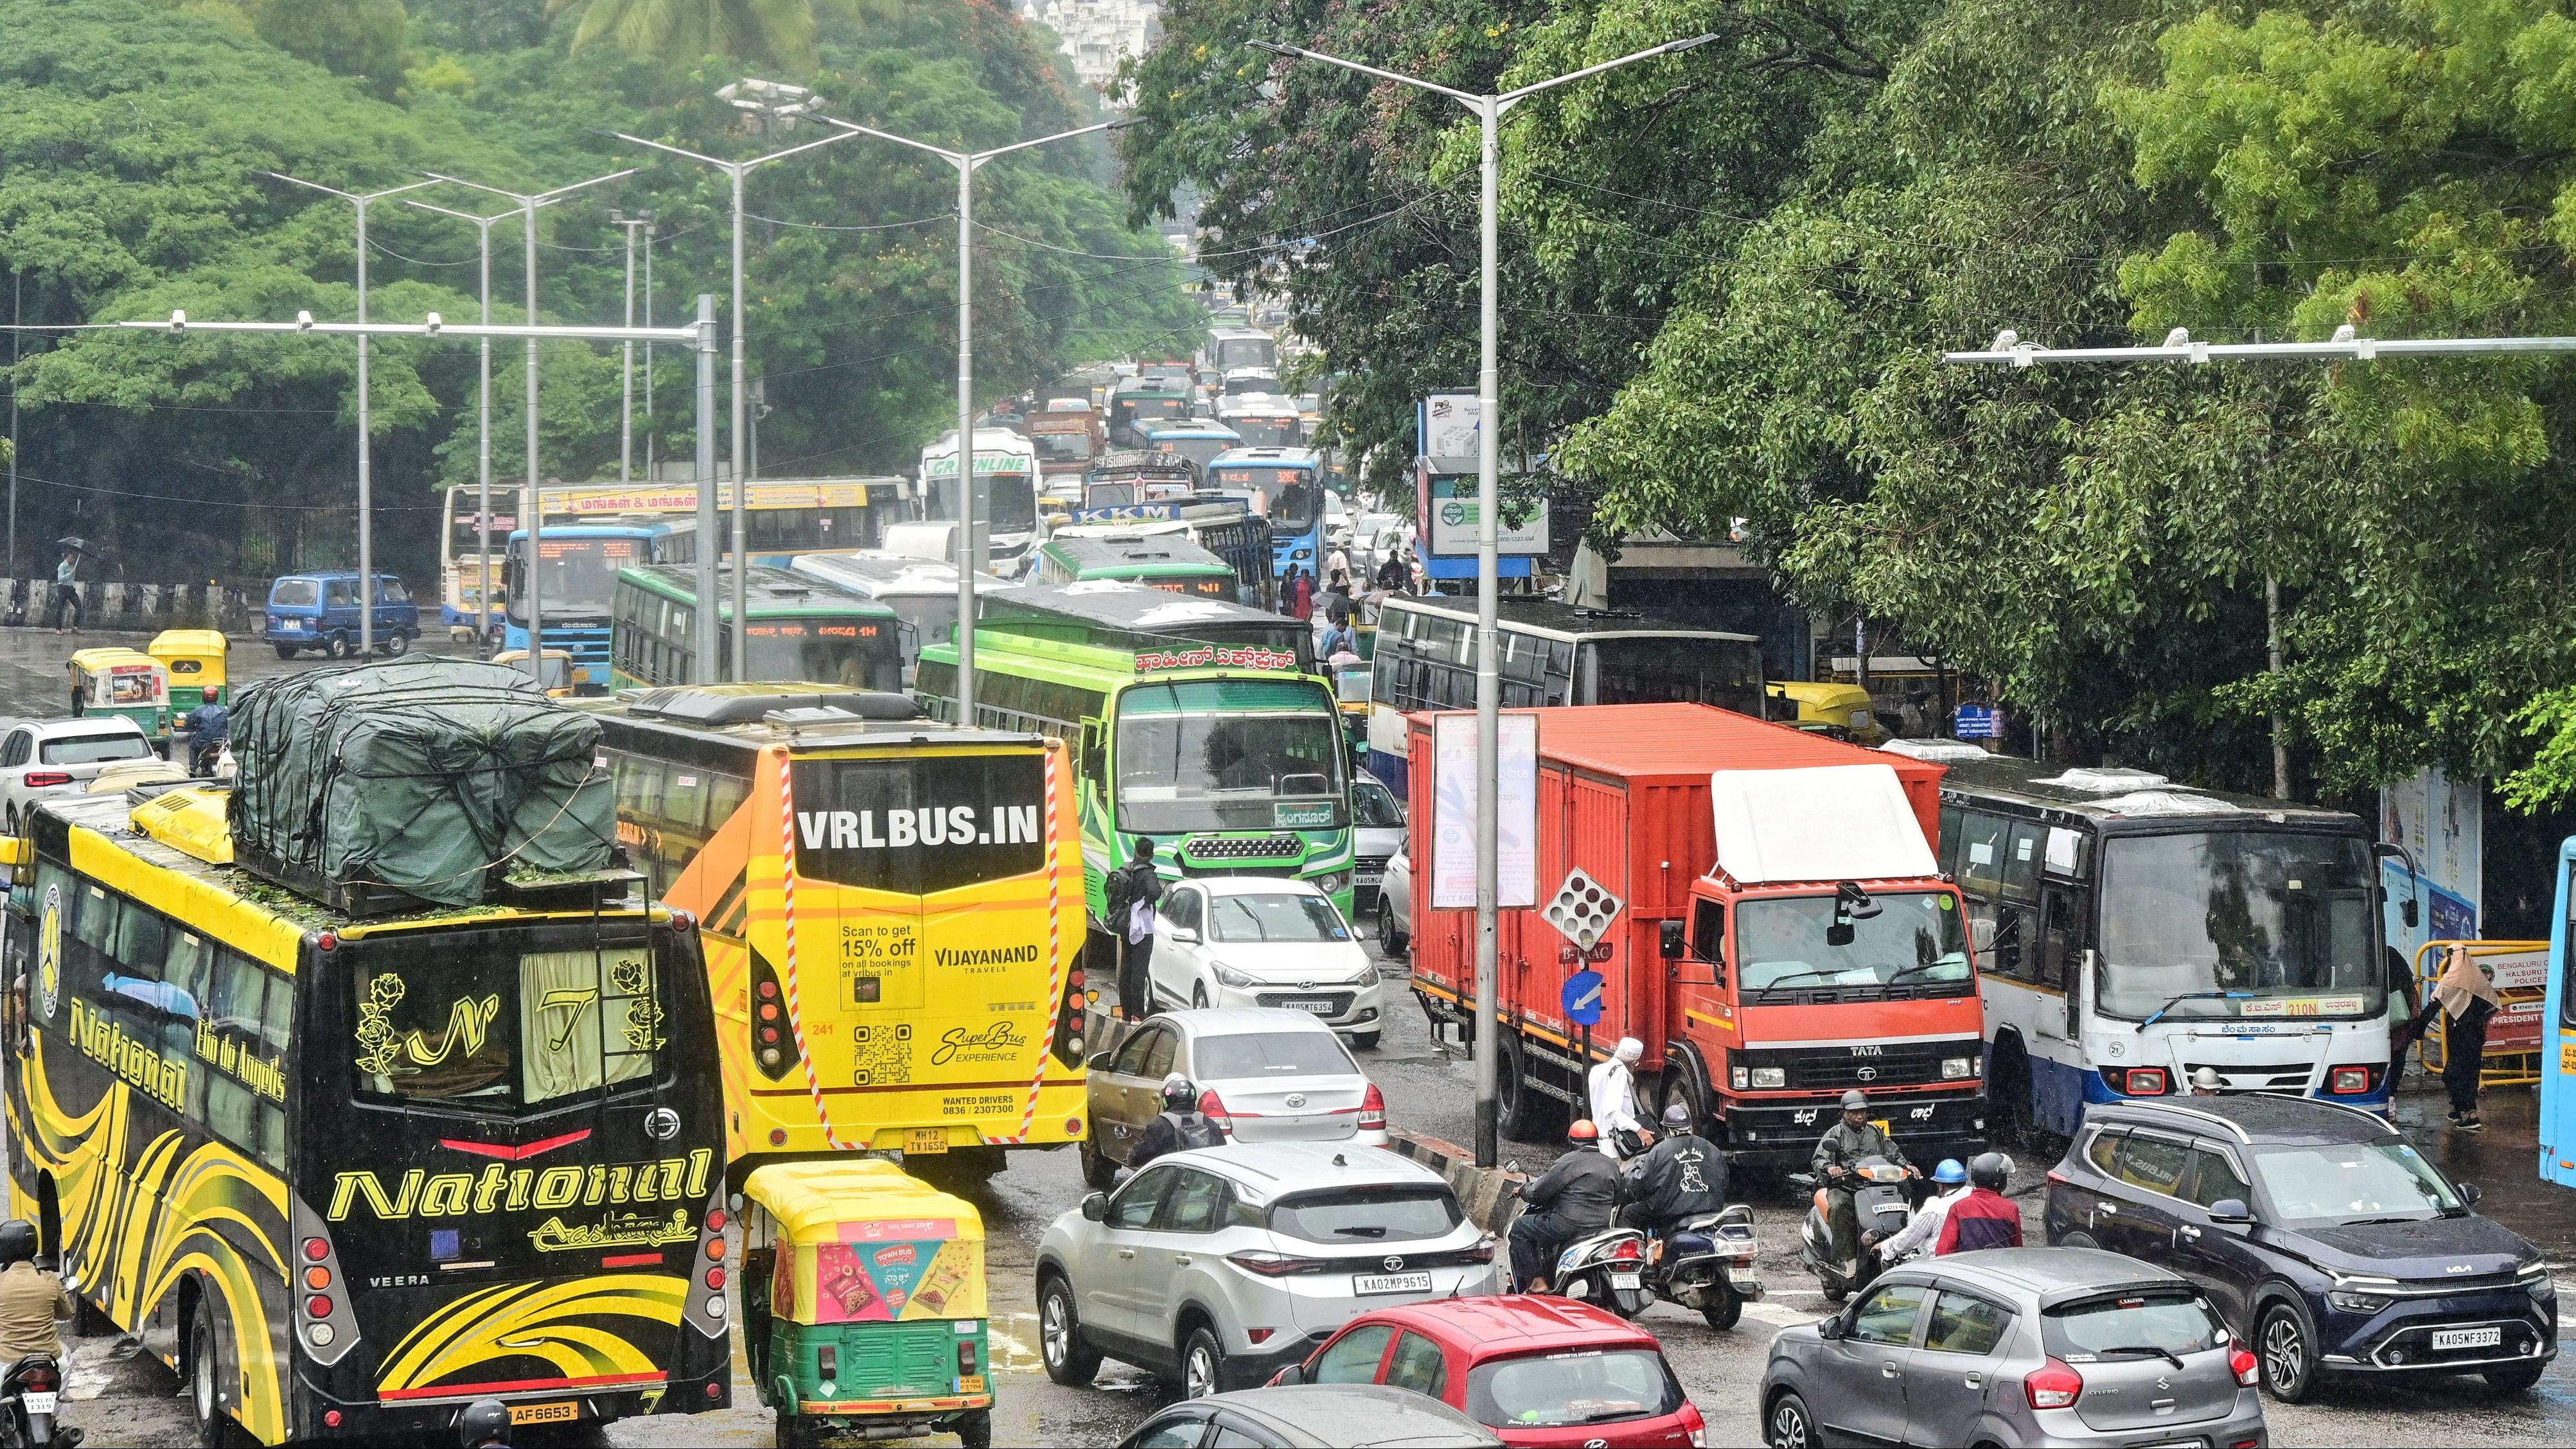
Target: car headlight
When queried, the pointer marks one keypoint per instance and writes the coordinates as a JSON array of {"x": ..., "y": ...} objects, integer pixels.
[
  {"x": 2357, "y": 1302},
  {"x": 2358, "y": 1294},
  {"x": 1227, "y": 976},
  {"x": 1953, "y": 1068},
  {"x": 1770, "y": 1076},
  {"x": 1365, "y": 976},
  {"x": 2536, "y": 1280}
]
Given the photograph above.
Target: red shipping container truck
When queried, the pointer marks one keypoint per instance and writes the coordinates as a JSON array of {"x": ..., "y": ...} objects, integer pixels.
[{"x": 1759, "y": 998}]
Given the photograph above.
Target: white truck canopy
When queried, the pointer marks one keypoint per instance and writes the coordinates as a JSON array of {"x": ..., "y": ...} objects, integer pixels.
[{"x": 1831, "y": 823}]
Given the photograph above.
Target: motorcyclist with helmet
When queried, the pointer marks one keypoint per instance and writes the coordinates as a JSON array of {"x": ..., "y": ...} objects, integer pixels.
[
  {"x": 1982, "y": 1217},
  {"x": 485, "y": 1424},
  {"x": 1679, "y": 1178},
  {"x": 1179, "y": 1127},
  {"x": 31, "y": 1299},
  {"x": 1839, "y": 1154},
  {"x": 1949, "y": 1181},
  {"x": 1575, "y": 1196}
]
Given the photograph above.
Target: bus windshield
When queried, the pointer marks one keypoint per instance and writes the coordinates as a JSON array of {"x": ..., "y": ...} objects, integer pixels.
[
  {"x": 823, "y": 651},
  {"x": 1244, "y": 352},
  {"x": 575, "y": 575},
  {"x": 1062, "y": 447},
  {"x": 480, "y": 1023},
  {"x": 2239, "y": 923},
  {"x": 1004, "y": 502},
  {"x": 1280, "y": 432},
  {"x": 1201, "y": 451},
  {"x": 1295, "y": 508},
  {"x": 1229, "y": 755},
  {"x": 1649, "y": 669},
  {"x": 1785, "y": 943}
]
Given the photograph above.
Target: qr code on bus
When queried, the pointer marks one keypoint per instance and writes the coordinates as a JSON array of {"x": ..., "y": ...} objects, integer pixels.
[{"x": 881, "y": 1055}]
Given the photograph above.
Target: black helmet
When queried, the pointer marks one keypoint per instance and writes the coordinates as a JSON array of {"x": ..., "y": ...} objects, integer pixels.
[
  {"x": 485, "y": 1421},
  {"x": 17, "y": 1242},
  {"x": 1988, "y": 1170},
  {"x": 1179, "y": 1095}
]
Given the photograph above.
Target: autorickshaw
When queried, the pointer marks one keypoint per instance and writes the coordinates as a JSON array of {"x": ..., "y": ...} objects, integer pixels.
[
  {"x": 561, "y": 675},
  {"x": 863, "y": 1303},
  {"x": 115, "y": 680},
  {"x": 196, "y": 660}
]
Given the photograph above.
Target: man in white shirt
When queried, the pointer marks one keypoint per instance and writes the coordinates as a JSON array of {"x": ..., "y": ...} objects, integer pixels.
[
  {"x": 1614, "y": 1096},
  {"x": 1916, "y": 1238}
]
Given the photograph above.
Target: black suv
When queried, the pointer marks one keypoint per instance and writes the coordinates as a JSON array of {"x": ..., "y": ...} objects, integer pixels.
[{"x": 2326, "y": 1239}]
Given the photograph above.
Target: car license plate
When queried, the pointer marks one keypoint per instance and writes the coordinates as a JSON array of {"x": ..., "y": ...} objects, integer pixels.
[
  {"x": 1625, "y": 1280},
  {"x": 2450, "y": 1338},
  {"x": 1390, "y": 1283},
  {"x": 922, "y": 1141},
  {"x": 562, "y": 1411},
  {"x": 1309, "y": 1004},
  {"x": 1371, "y": 877},
  {"x": 39, "y": 1403}
]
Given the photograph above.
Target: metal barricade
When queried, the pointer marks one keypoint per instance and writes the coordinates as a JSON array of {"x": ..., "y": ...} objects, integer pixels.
[{"x": 2521, "y": 972}]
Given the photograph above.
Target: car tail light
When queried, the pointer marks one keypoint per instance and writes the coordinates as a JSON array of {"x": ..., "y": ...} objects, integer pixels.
[
  {"x": 1260, "y": 1335},
  {"x": 2241, "y": 1359},
  {"x": 42, "y": 779},
  {"x": 1627, "y": 1250},
  {"x": 1483, "y": 1252},
  {"x": 1373, "y": 1110},
  {"x": 2146, "y": 1081},
  {"x": 966, "y": 1356},
  {"x": 2052, "y": 1386},
  {"x": 2349, "y": 1081},
  {"x": 1271, "y": 1264},
  {"x": 2058, "y": 1177},
  {"x": 1694, "y": 1425},
  {"x": 1212, "y": 1107}
]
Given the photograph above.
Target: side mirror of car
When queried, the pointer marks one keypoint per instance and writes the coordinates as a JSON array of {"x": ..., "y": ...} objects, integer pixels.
[
  {"x": 1294, "y": 1373},
  {"x": 1184, "y": 936},
  {"x": 1668, "y": 940},
  {"x": 1513, "y": 1165},
  {"x": 1829, "y": 1329},
  {"x": 1099, "y": 1062},
  {"x": 2230, "y": 1212},
  {"x": 1096, "y": 1206},
  {"x": 2469, "y": 1194}
]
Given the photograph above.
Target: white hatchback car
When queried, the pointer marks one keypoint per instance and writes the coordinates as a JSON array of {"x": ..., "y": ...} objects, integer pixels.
[
  {"x": 1219, "y": 1267},
  {"x": 1253, "y": 941},
  {"x": 46, "y": 757}
]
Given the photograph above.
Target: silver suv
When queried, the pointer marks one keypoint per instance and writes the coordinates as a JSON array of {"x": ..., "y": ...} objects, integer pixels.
[
  {"x": 1221, "y": 1266},
  {"x": 2016, "y": 1346}
]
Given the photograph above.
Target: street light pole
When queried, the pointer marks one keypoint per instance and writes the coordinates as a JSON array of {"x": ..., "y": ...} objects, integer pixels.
[
  {"x": 366, "y": 442},
  {"x": 535, "y": 507},
  {"x": 626, "y": 357},
  {"x": 735, "y": 171},
  {"x": 969, "y": 557},
  {"x": 1489, "y": 111},
  {"x": 483, "y": 419}
]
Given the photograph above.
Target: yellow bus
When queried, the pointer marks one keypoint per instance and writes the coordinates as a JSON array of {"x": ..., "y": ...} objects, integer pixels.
[
  {"x": 892, "y": 911},
  {"x": 346, "y": 1176}
]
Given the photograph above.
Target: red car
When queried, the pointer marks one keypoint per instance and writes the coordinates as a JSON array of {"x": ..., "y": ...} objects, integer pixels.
[{"x": 1537, "y": 1370}]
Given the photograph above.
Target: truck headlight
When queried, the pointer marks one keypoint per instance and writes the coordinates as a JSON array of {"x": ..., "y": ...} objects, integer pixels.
[
  {"x": 1770, "y": 1076},
  {"x": 1953, "y": 1068}
]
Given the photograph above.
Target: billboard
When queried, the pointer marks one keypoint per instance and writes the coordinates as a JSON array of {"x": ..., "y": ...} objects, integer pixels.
[{"x": 1454, "y": 824}]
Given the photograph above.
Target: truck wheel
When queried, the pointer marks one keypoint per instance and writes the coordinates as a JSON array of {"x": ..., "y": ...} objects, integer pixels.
[
  {"x": 1682, "y": 1084},
  {"x": 1526, "y": 1114}
]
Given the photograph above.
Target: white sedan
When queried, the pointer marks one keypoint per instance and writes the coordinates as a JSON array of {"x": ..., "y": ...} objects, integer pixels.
[{"x": 1253, "y": 941}]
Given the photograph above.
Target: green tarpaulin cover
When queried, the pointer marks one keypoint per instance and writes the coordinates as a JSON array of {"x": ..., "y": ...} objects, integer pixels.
[{"x": 428, "y": 775}]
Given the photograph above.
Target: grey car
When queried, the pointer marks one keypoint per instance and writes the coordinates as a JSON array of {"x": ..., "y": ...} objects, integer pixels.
[
  {"x": 2016, "y": 1346},
  {"x": 1377, "y": 818},
  {"x": 1311, "y": 1416}
]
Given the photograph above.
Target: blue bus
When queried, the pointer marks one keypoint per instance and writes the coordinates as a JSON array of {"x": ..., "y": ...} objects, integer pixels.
[
  {"x": 1291, "y": 484},
  {"x": 2558, "y": 1038},
  {"x": 577, "y": 578}
]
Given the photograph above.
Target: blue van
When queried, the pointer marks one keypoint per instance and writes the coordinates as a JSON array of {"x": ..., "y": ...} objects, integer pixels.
[{"x": 320, "y": 611}]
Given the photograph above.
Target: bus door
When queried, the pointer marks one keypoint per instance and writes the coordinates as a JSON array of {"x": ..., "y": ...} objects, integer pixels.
[{"x": 2558, "y": 1037}]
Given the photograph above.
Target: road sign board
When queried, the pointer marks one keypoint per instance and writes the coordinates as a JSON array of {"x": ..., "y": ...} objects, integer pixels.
[{"x": 1582, "y": 998}]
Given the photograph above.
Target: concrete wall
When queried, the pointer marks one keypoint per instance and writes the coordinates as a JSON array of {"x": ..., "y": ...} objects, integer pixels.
[{"x": 146, "y": 608}]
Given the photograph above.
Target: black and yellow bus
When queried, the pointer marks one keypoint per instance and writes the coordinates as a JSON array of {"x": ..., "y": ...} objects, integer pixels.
[
  {"x": 347, "y": 1176},
  {"x": 799, "y": 629}
]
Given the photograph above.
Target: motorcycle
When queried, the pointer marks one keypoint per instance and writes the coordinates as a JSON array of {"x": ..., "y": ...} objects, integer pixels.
[
  {"x": 1707, "y": 1266},
  {"x": 1880, "y": 1204},
  {"x": 1606, "y": 1269},
  {"x": 29, "y": 1393}
]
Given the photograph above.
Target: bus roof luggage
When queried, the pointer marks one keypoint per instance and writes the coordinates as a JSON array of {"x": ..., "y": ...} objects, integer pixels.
[{"x": 388, "y": 786}]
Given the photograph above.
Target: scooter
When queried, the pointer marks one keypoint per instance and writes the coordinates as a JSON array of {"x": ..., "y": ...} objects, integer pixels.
[
  {"x": 1606, "y": 1269},
  {"x": 30, "y": 1392},
  {"x": 1881, "y": 1206},
  {"x": 1707, "y": 1266}
]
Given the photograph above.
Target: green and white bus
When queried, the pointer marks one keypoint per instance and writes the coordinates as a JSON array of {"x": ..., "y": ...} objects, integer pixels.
[
  {"x": 1224, "y": 755},
  {"x": 798, "y": 629},
  {"x": 1165, "y": 561}
]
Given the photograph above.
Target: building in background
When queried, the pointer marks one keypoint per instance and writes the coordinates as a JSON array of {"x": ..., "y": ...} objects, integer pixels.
[{"x": 1097, "y": 34}]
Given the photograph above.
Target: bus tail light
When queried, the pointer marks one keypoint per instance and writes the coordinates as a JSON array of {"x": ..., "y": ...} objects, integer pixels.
[
  {"x": 2349, "y": 1081},
  {"x": 318, "y": 1306},
  {"x": 2146, "y": 1081},
  {"x": 683, "y": 922},
  {"x": 317, "y": 1277},
  {"x": 773, "y": 1047},
  {"x": 316, "y": 1249},
  {"x": 716, "y": 1278}
]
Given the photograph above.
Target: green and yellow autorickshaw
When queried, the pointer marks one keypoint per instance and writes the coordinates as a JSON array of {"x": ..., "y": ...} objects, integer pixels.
[
  {"x": 118, "y": 681},
  {"x": 863, "y": 1303},
  {"x": 196, "y": 659}
]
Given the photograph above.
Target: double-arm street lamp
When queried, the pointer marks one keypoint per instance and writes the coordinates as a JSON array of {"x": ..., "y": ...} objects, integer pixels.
[
  {"x": 529, "y": 202},
  {"x": 969, "y": 557},
  {"x": 1489, "y": 111},
  {"x": 483, "y": 415},
  {"x": 366, "y": 444}
]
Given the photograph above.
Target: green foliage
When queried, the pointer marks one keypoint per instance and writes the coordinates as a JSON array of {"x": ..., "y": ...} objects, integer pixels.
[
  {"x": 780, "y": 32},
  {"x": 360, "y": 38}
]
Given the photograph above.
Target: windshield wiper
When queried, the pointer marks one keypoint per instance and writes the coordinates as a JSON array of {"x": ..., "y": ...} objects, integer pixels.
[
  {"x": 2374, "y": 1222},
  {"x": 2168, "y": 1355},
  {"x": 1361, "y": 1232},
  {"x": 2182, "y": 996},
  {"x": 1794, "y": 975}
]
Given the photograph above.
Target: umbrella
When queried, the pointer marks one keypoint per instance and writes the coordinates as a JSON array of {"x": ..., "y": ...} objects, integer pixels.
[{"x": 76, "y": 545}]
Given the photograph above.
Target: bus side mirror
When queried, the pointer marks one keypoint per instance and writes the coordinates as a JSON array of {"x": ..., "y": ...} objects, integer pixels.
[
  {"x": 2408, "y": 912},
  {"x": 1668, "y": 940}
]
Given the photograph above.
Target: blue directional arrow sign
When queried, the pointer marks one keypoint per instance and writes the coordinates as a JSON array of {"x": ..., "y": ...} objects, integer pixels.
[{"x": 1583, "y": 998}]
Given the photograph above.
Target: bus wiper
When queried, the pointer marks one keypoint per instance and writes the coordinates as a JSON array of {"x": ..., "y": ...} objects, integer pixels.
[
  {"x": 2168, "y": 1355},
  {"x": 2182, "y": 996}
]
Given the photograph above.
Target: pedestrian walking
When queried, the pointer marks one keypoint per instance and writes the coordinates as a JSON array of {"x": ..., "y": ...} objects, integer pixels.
[
  {"x": 2404, "y": 1002},
  {"x": 67, "y": 591},
  {"x": 1131, "y": 894},
  {"x": 1301, "y": 592},
  {"x": 2467, "y": 1001}
]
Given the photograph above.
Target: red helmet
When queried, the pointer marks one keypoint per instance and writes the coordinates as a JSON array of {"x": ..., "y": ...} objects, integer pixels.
[{"x": 1583, "y": 1131}]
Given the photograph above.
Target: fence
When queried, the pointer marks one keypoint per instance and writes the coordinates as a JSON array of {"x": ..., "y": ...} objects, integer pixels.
[{"x": 139, "y": 607}]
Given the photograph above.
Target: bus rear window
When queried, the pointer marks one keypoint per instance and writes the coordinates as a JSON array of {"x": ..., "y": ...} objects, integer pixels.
[{"x": 482, "y": 1023}]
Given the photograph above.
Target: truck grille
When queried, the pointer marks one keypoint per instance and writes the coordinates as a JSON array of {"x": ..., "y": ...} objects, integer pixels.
[
  {"x": 1244, "y": 847},
  {"x": 1837, "y": 1068},
  {"x": 1370, "y": 864}
]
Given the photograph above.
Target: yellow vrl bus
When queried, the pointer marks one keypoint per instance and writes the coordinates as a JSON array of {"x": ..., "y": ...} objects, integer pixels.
[
  {"x": 892, "y": 910},
  {"x": 348, "y": 1176}
]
